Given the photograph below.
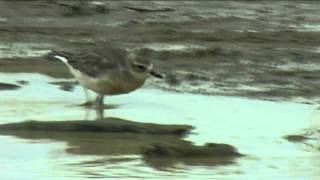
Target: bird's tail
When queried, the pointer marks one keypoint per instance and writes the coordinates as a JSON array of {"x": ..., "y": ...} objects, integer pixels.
[{"x": 55, "y": 55}]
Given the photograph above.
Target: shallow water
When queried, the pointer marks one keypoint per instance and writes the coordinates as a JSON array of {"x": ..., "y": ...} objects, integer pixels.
[{"x": 254, "y": 127}]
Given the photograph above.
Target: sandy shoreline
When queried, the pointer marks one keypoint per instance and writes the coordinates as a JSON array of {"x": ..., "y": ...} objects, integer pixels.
[{"x": 259, "y": 51}]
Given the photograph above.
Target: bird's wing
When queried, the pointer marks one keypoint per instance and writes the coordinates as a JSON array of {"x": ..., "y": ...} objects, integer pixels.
[
  {"x": 92, "y": 64},
  {"x": 103, "y": 58}
]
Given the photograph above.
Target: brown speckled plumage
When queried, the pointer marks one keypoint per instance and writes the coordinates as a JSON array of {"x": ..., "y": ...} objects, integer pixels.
[{"x": 107, "y": 70}]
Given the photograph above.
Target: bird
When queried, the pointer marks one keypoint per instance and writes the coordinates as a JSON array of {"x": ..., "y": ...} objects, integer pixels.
[{"x": 106, "y": 70}]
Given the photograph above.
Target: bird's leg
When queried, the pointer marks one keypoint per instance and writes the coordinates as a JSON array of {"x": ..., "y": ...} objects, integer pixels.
[
  {"x": 99, "y": 106},
  {"x": 99, "y": 100},
  {"x": 100, "y": 113}
]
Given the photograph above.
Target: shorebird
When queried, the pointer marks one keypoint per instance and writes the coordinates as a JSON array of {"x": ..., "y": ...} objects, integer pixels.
[{"x": 106, "y": 70}]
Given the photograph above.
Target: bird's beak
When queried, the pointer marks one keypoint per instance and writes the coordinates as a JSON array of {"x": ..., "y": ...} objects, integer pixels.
[{"x": 155, "y": 74}]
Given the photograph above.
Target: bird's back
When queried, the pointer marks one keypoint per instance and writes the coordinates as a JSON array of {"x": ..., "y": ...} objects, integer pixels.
[
  {"x": 103, "y": 69},
  {"x": 95, "y": 62}
]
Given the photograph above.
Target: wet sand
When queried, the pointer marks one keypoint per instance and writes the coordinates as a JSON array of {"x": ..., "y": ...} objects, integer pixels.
[{"x": 257, "y": 50}]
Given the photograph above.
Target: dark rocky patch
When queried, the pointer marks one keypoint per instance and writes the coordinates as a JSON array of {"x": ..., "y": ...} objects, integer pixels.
[
  {"x": 188, "y": 150},
  {"x": 66, "y": 85},
  {"x": 111, "y": 125},
  {"x": 146, "y": 9},
  {"x": 163, "y": 156},
  {"x": 7, "y": 86},
  {"x": 22, "y": 82},
  {"x": 162, "y": 146},
  {"x": 310, "y": 140},
  {"x": 297, "y": 138}
]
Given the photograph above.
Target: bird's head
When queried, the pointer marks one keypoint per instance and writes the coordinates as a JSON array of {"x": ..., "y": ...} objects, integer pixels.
[{"x": 144, "y": 68}]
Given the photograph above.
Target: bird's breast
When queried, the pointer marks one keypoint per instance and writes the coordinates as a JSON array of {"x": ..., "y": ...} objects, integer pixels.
[{"x": 114, "y": 87}]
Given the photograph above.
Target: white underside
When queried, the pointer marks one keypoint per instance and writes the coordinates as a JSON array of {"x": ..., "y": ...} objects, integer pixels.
[{"x": 101, "y": 85}]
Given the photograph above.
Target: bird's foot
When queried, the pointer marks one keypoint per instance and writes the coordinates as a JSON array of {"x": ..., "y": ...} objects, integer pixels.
[{"x": 94, "y": 105}]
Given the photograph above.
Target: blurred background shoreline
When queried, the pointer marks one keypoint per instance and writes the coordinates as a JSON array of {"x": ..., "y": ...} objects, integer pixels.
[{"x": 259, "y": 50}]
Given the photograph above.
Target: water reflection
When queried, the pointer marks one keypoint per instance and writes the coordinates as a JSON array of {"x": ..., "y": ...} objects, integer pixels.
[
  {"x": 167, "y": 164},
  {"x": 255, "y": 127},
  {"x": 99, "y": 111},
  {"x": 120, "y": 145}
]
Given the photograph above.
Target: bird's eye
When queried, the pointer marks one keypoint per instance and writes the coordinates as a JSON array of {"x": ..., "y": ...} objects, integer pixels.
[{"x": 141, "y": 67}]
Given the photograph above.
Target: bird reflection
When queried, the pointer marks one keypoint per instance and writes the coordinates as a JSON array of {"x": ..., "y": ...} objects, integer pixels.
[{"x": 99, "y": 110}]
